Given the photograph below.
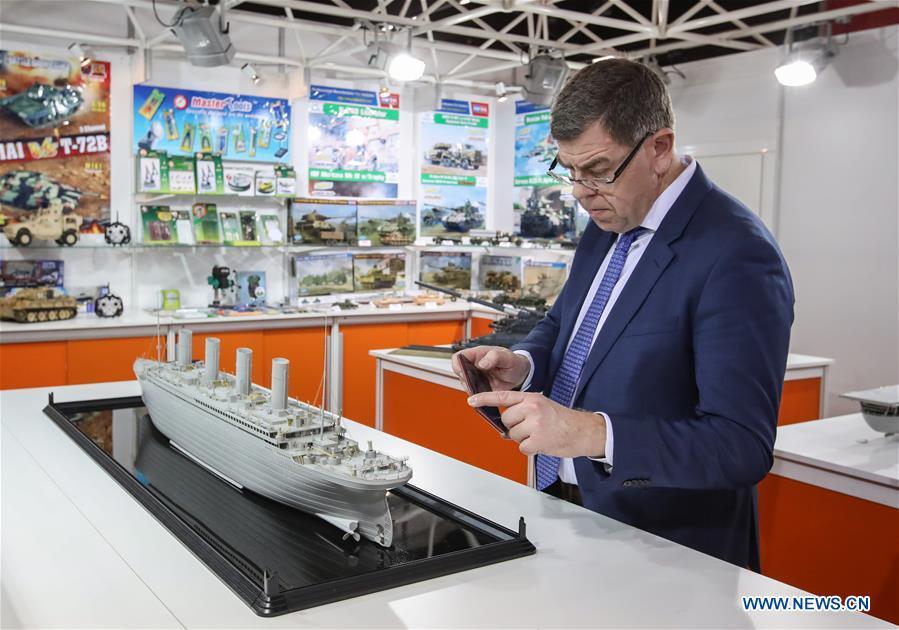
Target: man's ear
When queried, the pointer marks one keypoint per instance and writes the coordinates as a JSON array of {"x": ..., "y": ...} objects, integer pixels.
[{"x": 662, "y": 148}]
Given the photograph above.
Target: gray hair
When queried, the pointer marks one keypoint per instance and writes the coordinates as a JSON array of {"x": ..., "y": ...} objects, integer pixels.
[{"x": 626, "y": 97}]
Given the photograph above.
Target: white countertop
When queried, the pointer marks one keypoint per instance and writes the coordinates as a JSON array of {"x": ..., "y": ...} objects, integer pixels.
[
  {"x": 79, "y": 551},
  {"x": 842, "y": 454},
  {"x": 443, "y": 367},
  {"x": 85, "y": 326}
]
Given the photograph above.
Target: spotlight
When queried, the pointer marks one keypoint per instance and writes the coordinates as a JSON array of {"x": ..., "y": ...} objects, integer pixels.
[
  {"x": 805, "y": 60},
  {"x": 544, "y": 79},
  {"x": 404, "y": 67},
  {"x": 83, "y": 52},
  {"x": 250, "y": 70},
  {"x": 501, "y": 93},
  {"x": 204, "y": 36}
]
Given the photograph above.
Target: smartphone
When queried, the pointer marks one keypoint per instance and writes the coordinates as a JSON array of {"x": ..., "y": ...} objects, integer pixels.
[{"x": 476, "y": 382}]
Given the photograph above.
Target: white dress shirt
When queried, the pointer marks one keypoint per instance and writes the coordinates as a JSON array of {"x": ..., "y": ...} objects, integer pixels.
[{"x": 653, "y": 220}]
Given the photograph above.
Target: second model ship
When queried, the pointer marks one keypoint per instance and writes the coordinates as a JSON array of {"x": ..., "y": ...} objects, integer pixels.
[{"x": 261, "y": 440}]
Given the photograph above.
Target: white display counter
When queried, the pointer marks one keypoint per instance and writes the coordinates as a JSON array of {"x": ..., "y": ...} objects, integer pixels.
[{"x": 78, "y": 551}]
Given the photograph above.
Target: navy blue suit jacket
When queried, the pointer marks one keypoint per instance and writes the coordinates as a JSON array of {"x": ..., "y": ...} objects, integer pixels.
[{"x": 689, "y": 366}]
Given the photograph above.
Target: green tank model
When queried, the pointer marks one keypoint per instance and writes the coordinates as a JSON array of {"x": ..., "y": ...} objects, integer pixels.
[
  {"x": 501, "y": 281},
  {"x": 43, "y": 105},
  {"x": 453, "y": 276},
  {"x": 377, "y": 278},
  {"x": 38, "y": 305},
  {"x": 30, "y": 190}
]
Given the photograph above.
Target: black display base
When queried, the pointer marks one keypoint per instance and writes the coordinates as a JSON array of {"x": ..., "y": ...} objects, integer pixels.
[{"x": 275, "y": 558}]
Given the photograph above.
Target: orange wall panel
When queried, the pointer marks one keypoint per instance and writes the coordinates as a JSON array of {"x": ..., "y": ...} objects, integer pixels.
[
  {"x": 230, "y": 342},
  {"x": 438, "y": 418},
  {"x": 435, "y": 333},
  {"x": 830, "y": 543},
  {"x": 359, "y": 368},
  {"x": 104, "y": 360},
  {"x": 305, "y": 349},
  {"x": 32, "y": 364},
  {"x": 801, "y": 401},
  {"x": 480, "y": 326}
]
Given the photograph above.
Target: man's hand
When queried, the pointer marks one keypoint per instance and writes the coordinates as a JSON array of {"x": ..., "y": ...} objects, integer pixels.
[
  {"x": 540, "y": 425},
  {"x": 504, "y": 369}
]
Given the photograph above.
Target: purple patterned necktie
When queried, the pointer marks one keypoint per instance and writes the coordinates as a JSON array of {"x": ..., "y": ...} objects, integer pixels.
[{"x": 576, "y": 356}]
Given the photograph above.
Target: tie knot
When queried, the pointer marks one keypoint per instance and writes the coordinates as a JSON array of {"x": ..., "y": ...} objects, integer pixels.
[{"x": 626, "y": 240}]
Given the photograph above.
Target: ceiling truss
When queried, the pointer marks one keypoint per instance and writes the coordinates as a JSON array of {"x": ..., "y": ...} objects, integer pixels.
[{"x": 494, "y": 35}]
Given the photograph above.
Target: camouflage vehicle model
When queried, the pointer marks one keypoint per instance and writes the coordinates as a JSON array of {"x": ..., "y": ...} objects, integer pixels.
[
  {"x": 377, "y": 278},
  {"x": 455, "y": 156},
  {"x": 43, "y": 105},
  {"x": 390, "y": 233},
  {"x": 453, "y": 276},
  {"x": 30, "y": 190},
  {"x": 48, "y": 224},
  {"x": 501, "y": 281},
  {"x": 38, "y": 305},
  {"x": 541, "y": 219},
  {"x": 316, "y": 227}
]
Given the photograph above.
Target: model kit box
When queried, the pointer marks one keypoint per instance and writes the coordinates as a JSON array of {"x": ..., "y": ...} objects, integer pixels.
[
  {"x": 285, "y": 181},
  {"x": 210, "y": 175},
  {"x": 30, "y": 273},
  {"x": 239, "y": 180},
  {"x": 158, "y": 225},
  {"x": 500, "y": 273},
  {"x": 323, "y": 274},
  {"x": 544, "y": 279},
  {"x": 207, "y": 230},
  {"x": 446, "y": 269}
]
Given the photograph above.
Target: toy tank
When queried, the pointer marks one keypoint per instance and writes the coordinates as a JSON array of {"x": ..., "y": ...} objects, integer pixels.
[
  {"x": 42, "y": 105},
  {"x": 38, "y": 305},
  {"x": 396, "y": 238},
  {"x": 501, "y": 281},
  {"x": 453, "y": 276},
  {"x": 377, "y": 279},
  {"x": 30, "y": 190}
]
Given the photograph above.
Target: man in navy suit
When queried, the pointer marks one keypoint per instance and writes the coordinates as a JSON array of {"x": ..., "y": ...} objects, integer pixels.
[{"x": 650, "y": 391}]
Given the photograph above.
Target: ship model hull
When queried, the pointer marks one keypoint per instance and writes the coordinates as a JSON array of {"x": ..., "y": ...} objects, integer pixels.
[{"x": 218, "y": 436}]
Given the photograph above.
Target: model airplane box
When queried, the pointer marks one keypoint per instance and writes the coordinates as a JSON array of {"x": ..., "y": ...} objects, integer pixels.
[
  {"x": 207, "y": 230},
  {"x": 210, "y": 175},
  {"x": 158, "y": 225}
]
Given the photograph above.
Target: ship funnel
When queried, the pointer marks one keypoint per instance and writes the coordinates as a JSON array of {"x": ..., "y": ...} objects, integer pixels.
[
  {"x": 170, "y": 346},
  {"x": 212, "y": 361},
  {"x": 244, "y": 376},
  {"x": 185, "y": 347},
  {"x": 280, "y": 381}
]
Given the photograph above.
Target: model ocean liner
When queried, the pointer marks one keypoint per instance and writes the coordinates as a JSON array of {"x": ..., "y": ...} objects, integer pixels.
[{"x": 263, "y": 441}]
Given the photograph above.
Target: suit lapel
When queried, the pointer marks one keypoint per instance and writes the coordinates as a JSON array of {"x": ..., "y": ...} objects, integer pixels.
[{"x": 644, "y": 277}]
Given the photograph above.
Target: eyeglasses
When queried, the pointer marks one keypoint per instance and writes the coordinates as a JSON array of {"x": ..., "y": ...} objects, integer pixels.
[{"x": 596, "y": 183}]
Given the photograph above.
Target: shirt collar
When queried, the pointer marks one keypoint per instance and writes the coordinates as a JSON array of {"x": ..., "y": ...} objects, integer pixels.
[{"x": 663, "y": 202}]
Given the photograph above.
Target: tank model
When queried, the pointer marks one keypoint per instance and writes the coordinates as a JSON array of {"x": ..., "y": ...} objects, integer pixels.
[
  {"x": 52, "y": 223},
  {"x": 377, "y": 278},
  {"x": 346, "y": 305},
  {"x": 43, "y": 105},
  {"x": 508, "y": 331},
  {"x": 391, "y": 233},
  {"x": 38, "y": 305},
  {"x": 504, "y": 281},
  {"x": 453, "y": 275},
  {"x": 542, "y": 218},
  {"x": 464, "y": 218},
  {"x": 314, "y": 226},
  {"x": 30, "y": 190}
]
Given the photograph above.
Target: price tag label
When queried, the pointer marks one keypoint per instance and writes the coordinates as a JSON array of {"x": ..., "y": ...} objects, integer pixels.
[
  {"x": 364, "y": 242},
  {"x": 430, "y": 304},
  {"x": 466, "y": 240},
  {"x": 394, "y": 307},
  {"x": 505, "y": 244},
  {"x": 448, "y": 243}
]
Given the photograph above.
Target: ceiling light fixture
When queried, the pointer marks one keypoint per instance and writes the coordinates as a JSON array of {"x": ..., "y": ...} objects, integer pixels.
[
  {"x": 501, "y": 93},
  {"x": 251, "y": 71},
  {"x": 83, "y": 52},
  {"x": 805, "y": 60}
]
